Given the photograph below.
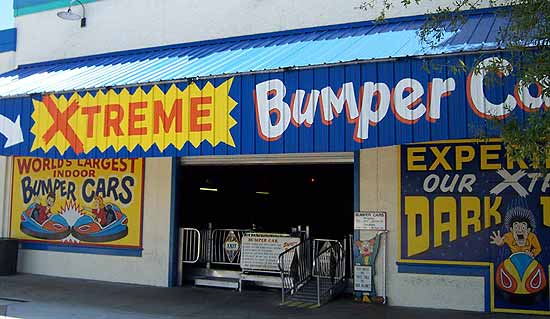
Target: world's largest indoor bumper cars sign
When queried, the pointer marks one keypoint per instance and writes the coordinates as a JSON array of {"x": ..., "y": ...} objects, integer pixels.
[
  {"x": 78, "y": 204},
  {"x": 468, "y": 209}
]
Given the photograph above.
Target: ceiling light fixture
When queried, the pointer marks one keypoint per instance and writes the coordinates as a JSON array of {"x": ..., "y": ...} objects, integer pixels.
[{"x": 71, "y": 16}]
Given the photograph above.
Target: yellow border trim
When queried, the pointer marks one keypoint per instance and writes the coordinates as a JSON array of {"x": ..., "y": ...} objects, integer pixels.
[
  {"x": 398, "y": 203},
  {"x": 444, "y": 262},
  {"x": 461, "y": 141}
]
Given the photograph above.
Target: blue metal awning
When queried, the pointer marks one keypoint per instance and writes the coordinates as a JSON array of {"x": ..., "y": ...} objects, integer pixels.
[{"x": 395, "y": 38}]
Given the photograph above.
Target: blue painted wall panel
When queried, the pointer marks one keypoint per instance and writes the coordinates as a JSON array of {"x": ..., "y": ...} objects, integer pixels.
[
  {"x": 248, "y": 116},
  {"x": 320, "y": 132},
  {"x": 338, "y": 126},
  {"x": 8, "y": 40},
  {"x": 291, "y": 138}
]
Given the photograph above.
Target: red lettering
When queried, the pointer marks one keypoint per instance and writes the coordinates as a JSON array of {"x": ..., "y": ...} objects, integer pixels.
[
  {"x": 90, "y": 112},
  {"x": 105, "y": 164},
  {"x": 196, "y": 115},
  {"x": 95, "y": 163},
  {"x": 37, "y": 165},
  {"x": 132, "y": 165},
  {"x": 123, "y": 165},
  {"x": 133, "y": 118},
  {"x": 24, "y": 165},
  {"x": 114, "y": 165},
  {"x": 111, "y": 122},
  {"x": 167, "y": 121}
]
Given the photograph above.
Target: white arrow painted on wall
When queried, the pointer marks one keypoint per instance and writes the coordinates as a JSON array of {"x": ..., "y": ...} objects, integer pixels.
[{"x": 11, "y": 130}]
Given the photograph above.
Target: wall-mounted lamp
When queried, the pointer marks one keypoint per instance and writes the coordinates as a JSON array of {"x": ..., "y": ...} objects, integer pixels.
[{"x": 70, "y": 15}]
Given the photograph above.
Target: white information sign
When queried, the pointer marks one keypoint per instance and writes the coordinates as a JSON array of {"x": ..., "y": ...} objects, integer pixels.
[
  {"x": 362, "y": 278},
  {"x": 370, "y": 221},
  {"x": 260, "y": 252}
]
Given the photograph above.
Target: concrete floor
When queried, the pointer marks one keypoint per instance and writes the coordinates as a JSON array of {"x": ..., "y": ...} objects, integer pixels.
[{"x": 50, "y": 297}]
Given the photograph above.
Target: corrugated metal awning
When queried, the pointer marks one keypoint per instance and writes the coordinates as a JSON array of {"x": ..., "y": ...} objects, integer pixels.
[{"x": 299, "y": 48}]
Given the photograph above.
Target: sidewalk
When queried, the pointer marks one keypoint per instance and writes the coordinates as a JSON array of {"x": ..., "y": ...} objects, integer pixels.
[{"x": 51, "y": 297}]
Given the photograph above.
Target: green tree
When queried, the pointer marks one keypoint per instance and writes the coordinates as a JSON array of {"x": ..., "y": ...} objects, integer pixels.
[{"x": 526, "y": 37}]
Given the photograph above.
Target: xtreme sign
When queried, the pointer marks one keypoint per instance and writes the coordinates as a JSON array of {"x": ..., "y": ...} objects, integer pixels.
[{"x": 338, "y": 108}]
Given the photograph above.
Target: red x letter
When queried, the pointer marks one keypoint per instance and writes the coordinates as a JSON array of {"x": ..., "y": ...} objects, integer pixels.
[{"x": 61, "y": 124}]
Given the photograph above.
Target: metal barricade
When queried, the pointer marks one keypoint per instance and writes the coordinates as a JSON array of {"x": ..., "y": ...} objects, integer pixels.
[
  {"x": 225, "y": 246},
  {"x": 190, "y": 245},
  {"x": 211, "y": 246},
  {"x": 189, "y": 250}
]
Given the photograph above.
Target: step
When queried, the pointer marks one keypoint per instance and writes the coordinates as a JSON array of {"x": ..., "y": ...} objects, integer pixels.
[
  {"x": 217, "y": 282},
  {"x": 269, "y": 281},
  {"x": 313, "y": 289},
  {"x": 304, "y": 299},
  {"x": 301, "y": 304}
]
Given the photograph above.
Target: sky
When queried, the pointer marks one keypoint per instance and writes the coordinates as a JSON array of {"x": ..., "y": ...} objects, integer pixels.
[{"x": 6, "y": 14}]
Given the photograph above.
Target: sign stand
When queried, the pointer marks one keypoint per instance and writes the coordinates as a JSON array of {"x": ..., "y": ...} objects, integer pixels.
[{"x": 370, "y": 234}]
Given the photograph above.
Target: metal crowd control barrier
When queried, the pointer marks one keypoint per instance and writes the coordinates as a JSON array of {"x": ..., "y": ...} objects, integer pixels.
[
  {"x": 209, "y": 246},
  {"x": 189, "y": 249},
  {"x": 220, "y": 252}
]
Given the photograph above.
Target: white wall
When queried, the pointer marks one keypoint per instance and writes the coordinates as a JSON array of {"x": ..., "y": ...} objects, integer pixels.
[
  {"x": 115, "y": 25},
  {"x": 150, "y": 269},
  {"x": 379, "y": 191},
  {"x": 7, "y": 61}
]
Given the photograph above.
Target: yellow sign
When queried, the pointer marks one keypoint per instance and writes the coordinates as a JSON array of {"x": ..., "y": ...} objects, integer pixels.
[
  {"x": 95, "y": 202},
  {"x": 123, "y": 119}
]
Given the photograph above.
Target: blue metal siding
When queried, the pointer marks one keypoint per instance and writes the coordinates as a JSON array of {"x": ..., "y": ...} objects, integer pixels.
[
  {"x": 457, "y": 120},
  {"x": 8, "y": 41}
]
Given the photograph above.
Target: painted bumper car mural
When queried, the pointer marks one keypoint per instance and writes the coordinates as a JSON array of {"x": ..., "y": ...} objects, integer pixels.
[
  {"x": 521, "y": 278},
  {"x": 54, "y": 227},
  {"x": 113, "y": 226},
  {"x": 104, "y": 223}
]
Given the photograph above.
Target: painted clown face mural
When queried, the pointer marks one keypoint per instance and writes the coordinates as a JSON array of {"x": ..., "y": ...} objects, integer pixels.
[{"x": 520, "y": 277}]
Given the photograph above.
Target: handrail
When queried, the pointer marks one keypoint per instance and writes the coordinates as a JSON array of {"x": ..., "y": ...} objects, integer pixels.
[
  {"x": 284, "y": 253},
  {"x": 298, "y": 270},
  {"x": 327, "y": 249}
]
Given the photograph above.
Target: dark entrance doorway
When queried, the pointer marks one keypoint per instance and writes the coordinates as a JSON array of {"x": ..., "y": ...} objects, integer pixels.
[{"x": 274, "y": 198}]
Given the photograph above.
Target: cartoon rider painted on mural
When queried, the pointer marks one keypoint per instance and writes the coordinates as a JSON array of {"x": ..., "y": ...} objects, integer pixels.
[
  {"x": 103, "y": 214},
  {"x": 520, "y": 238},
  {"x": 520, "y": 277},
  {"x": 41, "y": 213},
  {"x": 39, "y": 221}
]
